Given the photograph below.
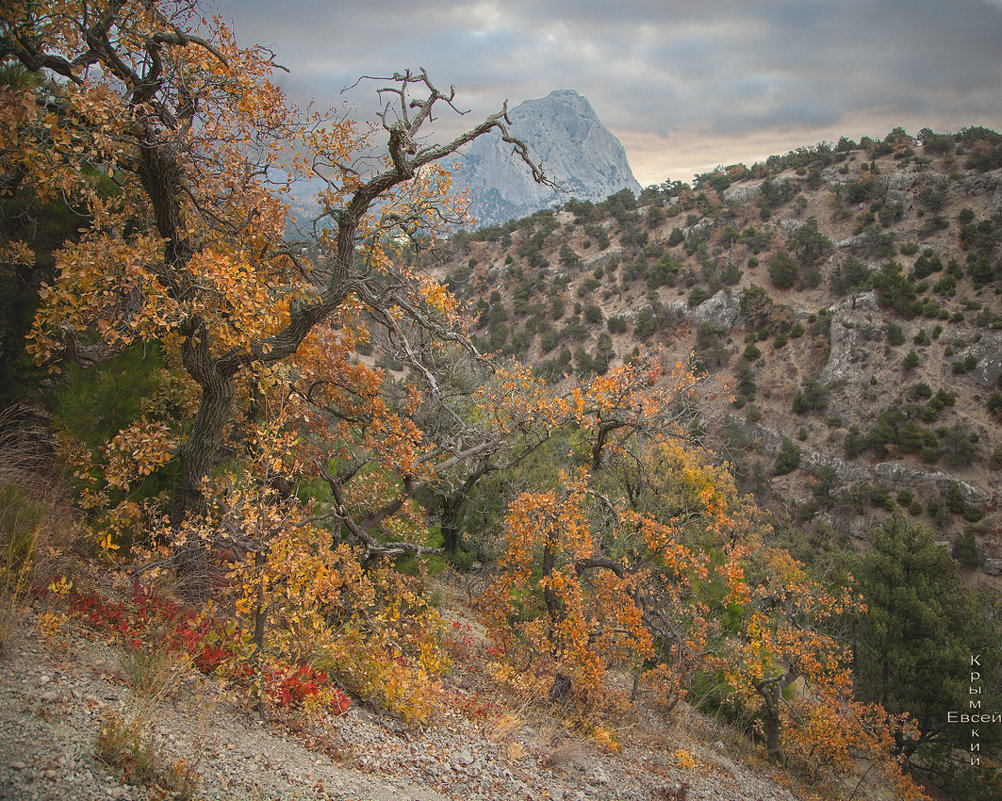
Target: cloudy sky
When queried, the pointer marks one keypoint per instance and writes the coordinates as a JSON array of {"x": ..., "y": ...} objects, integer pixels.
[{"x": 686, "y": 86}]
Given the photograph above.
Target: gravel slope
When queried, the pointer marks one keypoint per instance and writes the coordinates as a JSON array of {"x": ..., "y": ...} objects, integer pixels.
[{"x": 54, "y": 695}]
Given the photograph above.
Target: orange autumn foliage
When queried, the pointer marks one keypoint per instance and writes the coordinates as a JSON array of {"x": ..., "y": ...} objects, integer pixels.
[
  {"x": 580, "y": 566},
  {"x": 179, "y": 149},
  {"x": 783, "y": 663},
  {"x": 653, "y": 563}
]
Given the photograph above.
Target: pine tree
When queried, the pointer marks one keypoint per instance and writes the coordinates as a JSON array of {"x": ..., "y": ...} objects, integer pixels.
[{"x": 915, "y": 643}]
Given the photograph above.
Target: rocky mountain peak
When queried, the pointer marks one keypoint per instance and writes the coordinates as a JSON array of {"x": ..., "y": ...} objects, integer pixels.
[{"x": 577, "y": 152}]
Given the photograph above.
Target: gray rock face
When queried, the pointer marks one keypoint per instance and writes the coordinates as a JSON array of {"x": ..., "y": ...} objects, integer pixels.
[
  {"x": 743, "y": 192},
  {"x": 720, "y": 311},
  {"x": 848, "y": 346},
  {"x": 577, "y": 152},
  {"x": 603, "y": 259}
]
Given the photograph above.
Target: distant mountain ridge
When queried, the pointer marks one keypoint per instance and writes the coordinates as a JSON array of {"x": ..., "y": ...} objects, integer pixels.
[{"x": 577, "y": 152}]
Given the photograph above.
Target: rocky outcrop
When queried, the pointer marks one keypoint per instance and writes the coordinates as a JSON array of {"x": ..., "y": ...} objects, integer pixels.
[
  {"x": 576, "y": 150},
  {"x": 721, "y": 311},
  {"x": 930, "y": 483},
  {"x": 744, "y": 192},
  {"x": 850, "y": 337},
  {"x": 604, "y": 259}
]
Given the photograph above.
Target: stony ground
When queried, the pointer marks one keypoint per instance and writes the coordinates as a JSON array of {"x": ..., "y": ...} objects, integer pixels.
[{"x": 57, "y": 691}]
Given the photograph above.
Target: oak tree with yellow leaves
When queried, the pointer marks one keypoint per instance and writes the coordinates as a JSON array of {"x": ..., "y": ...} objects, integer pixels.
[
  {"x": 778, "y": 653},
  {"x": 188, "y": 251}
]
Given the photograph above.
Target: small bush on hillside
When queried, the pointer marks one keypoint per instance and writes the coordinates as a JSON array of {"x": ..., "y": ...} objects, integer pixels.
[{"x": 788, "y": 458}]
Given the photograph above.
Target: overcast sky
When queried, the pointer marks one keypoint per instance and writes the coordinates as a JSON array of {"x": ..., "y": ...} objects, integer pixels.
[{"x": 686, "y": 86}]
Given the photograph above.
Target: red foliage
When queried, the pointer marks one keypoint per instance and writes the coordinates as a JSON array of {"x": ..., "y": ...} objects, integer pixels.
[
  {"x": 294, "y": 686},
  {"x": 474, "y": 707},
  {"x": 207, "y": 641}
]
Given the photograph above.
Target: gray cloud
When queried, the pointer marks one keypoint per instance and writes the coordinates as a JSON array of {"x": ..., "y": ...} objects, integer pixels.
[{"x": 735, "y": 74}]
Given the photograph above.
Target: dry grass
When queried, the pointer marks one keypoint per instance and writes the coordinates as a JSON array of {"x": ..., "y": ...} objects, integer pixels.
[
  {"x": 502, "y": 728},
  {"x": 692, "y": 726},
  {"x": 122, "y": 744},
  {"x": 37, "y": 522},
  {"x": 26, "y": 509},
  {"x": 153, "y": 672},
  {"x": 563, "y": 751},
  {"x": 123, "y": 741}
]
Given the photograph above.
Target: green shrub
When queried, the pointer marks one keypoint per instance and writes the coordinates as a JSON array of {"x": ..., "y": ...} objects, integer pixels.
[
  {"x": 616, "y": 325},
  {"x": 855, "y": 442},
  {"x": 881, "y": 497},
  {"x": 895, "y": 336},
  {"x": 811, "y": 397},
  {"x": 954, "y": 498},
  {"x": 942, "y": 399},
  {"x": 746, "y": 381},
  {"x": 895, "y": 290},
  {"x": 783, "y": 270},
  {"x": 788, "y": 458},
  {"x": 965, "y": 548},
  {"x": 972, "y": 514},
  {"x": 698, "y": 296},
  {"x": 96, "y": 403}
]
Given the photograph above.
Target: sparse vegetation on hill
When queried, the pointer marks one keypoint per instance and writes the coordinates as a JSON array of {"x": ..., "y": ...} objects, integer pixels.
[
  {"x": 783, "y": 273},
  {"x": 857, "y": 286}
]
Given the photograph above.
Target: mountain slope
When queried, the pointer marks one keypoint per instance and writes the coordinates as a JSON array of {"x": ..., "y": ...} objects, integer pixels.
[{"x": 847, "y": 299}]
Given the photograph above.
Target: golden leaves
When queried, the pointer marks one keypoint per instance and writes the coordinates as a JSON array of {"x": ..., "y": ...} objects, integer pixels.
[
  {"x": 591, "y": 562},
  {"x": 438, "y": 298},
  {"x": 369, "y": 627},
  {"x": 104, "y": 280},
  {"x": 17, "y": 253},
  {"x": 137, "y": 451}
]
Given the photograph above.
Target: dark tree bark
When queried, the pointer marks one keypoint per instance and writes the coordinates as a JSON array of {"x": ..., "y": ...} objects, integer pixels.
[
  {"x": 451, "y": 507},
  {"x": 771, "y": 690}
]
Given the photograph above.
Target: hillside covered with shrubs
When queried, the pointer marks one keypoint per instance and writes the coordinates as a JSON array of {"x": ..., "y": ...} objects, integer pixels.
[{"x": 844, "y": 299}]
